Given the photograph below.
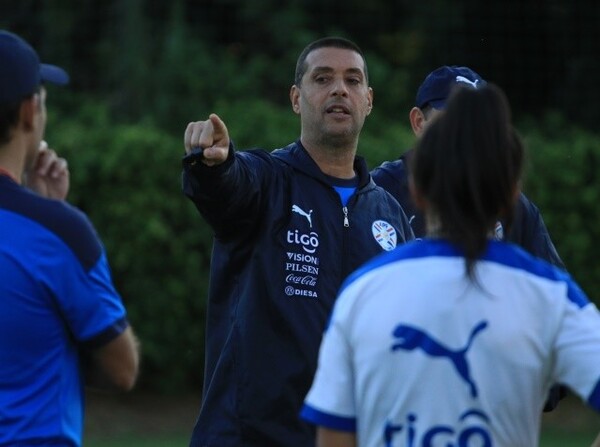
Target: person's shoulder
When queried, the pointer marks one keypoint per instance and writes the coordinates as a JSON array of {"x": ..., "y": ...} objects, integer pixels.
[
  {"x": 277, "y": 156},
  {"x": 66, "y": 222},
  {"x": 259, "y": 161},
  {"x": 390, "y": 168},
  {"x": 384, "y": 194},
  {"x": 392, "y": 173},
  {"x": 527, "y": 222},
  {"x": 78, "y": 233},
  {"x": 526, "y": 206},
  {"x": 514, "y": 256},
  {"x": 290, "y": 153},
  {"x": 392, "y": 176},
  {"x": 287, "y": 150}
]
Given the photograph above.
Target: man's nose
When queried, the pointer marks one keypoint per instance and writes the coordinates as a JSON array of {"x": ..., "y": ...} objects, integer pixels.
[{"x": 340, "y": 88}]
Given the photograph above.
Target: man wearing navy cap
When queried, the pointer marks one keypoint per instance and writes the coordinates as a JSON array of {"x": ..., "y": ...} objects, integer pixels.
[
  {"x": 62, "y": 323},
  {"x": 527, "y": 228}
]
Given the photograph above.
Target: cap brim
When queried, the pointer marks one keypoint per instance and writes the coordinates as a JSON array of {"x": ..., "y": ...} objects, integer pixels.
[{"x": 53, "y": 74}]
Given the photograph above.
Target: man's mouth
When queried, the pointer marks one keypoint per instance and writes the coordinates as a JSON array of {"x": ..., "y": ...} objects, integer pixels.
[{"x": 338, "y": 109}]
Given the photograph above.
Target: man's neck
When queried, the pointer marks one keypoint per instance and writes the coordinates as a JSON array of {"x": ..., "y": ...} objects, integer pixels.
[
  {"x": 12, "y": 160},
  {"x": 335, "y": 162}
]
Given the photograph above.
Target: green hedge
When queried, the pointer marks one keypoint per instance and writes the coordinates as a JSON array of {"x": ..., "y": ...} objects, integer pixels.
[
  {"x": 563, "y": 180},
  {"x": 127, "y": 178}
]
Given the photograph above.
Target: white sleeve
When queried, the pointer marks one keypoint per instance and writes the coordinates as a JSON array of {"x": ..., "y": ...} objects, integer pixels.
[
  {"x": 577, "y": 349},
  {"x": 330, "y": 401}
]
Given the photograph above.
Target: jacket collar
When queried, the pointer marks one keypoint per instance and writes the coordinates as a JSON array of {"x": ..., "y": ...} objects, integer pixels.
[{"x": 296, "y": 155}]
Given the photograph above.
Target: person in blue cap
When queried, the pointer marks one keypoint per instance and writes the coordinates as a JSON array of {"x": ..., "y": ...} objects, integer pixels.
[
  {"x": 527, "y": 228},
  {"x": 63, "y": 325}
]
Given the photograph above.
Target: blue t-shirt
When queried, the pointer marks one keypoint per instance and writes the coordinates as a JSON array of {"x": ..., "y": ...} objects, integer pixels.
[
  {"x": 344, "y": 187},
  {"x": 57, "y": 300}
]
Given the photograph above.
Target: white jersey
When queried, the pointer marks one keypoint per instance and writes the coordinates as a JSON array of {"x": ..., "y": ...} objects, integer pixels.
[{"x": 416, "y": 354}]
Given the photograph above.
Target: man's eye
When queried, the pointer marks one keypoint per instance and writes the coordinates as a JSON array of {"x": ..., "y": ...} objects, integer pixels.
[
  {"x": 353, "y": 81},
  {"x": 321, "y": 79}
]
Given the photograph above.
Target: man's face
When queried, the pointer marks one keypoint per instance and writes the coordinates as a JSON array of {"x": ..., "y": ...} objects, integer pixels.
[{"x": 333, "y": 99}]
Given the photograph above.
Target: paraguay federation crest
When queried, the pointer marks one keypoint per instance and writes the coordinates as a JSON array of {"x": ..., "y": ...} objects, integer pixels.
[{"x": 385, "y": 234}]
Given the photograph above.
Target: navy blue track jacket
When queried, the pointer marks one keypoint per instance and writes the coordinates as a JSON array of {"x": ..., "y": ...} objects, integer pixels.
[
  {"x": 527, "y": 230},
  {"x": 283, "y": 245}
]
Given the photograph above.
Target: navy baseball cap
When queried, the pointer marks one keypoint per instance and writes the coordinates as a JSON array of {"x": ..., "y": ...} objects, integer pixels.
[
  {"x": 21, "y": 72},
  {"x": 438, "y": 84}
]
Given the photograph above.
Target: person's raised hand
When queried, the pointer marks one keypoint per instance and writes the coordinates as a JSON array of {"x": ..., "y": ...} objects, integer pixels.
[
  {"x": 210, "y": 136},
  {"x": 49, "y": 175}
]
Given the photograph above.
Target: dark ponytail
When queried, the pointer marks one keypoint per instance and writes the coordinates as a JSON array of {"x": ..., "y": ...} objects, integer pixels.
[{"x": 467, "y": 166}]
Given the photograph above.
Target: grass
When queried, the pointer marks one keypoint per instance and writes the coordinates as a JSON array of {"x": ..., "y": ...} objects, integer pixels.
[
  {"x": 571, "y": 424},
  {"x": 167, "y": 421},
  {"x": 559, "y": 440},
  {"x": 141, "y": 441},
  {"x": 135, "y": 420}
]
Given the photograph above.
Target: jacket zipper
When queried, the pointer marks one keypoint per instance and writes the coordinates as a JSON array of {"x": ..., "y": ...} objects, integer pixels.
[{"x": 346, "y": 221}]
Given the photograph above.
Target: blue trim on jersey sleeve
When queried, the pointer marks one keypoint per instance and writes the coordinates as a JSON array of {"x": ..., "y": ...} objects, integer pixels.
[
  {"x": 107, "y": 335},
  {"x": 317, "y": 417},
  {"x": 514, "y": 256},
  {"x": 594, "y": 399},
  {"x": 576, "y": 295}
]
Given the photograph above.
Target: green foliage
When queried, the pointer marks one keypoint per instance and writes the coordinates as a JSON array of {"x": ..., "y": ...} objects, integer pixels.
[
  {"x": 258, "y": 123},
  {"x": 385, "y": 138},
  {"x": 142, "y": 70},
  {"x": 127, "y": 179},
  {"x": 563, "y": 181}
]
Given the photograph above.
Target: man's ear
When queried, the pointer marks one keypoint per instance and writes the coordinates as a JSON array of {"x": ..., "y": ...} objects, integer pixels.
[
  {"x": 417, "y": 120},
  {"x": 294, "y": 95}
]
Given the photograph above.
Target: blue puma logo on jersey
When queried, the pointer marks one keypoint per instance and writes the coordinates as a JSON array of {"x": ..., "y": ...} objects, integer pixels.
[{"x": 410, "y": 338}]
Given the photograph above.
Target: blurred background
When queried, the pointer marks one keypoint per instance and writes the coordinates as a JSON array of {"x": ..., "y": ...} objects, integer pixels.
[{"x": 142, "y": 69}]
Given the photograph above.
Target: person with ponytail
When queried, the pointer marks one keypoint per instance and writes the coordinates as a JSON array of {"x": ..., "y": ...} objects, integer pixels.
[
  {"x": 455, "y": 339},
  {"x": 467, "y": 176}
]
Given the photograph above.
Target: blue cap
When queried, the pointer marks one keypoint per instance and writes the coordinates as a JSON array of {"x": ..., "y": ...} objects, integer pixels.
[
  {"x": 438, "y": 84},
  {"x": 21, "y": 72}
]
